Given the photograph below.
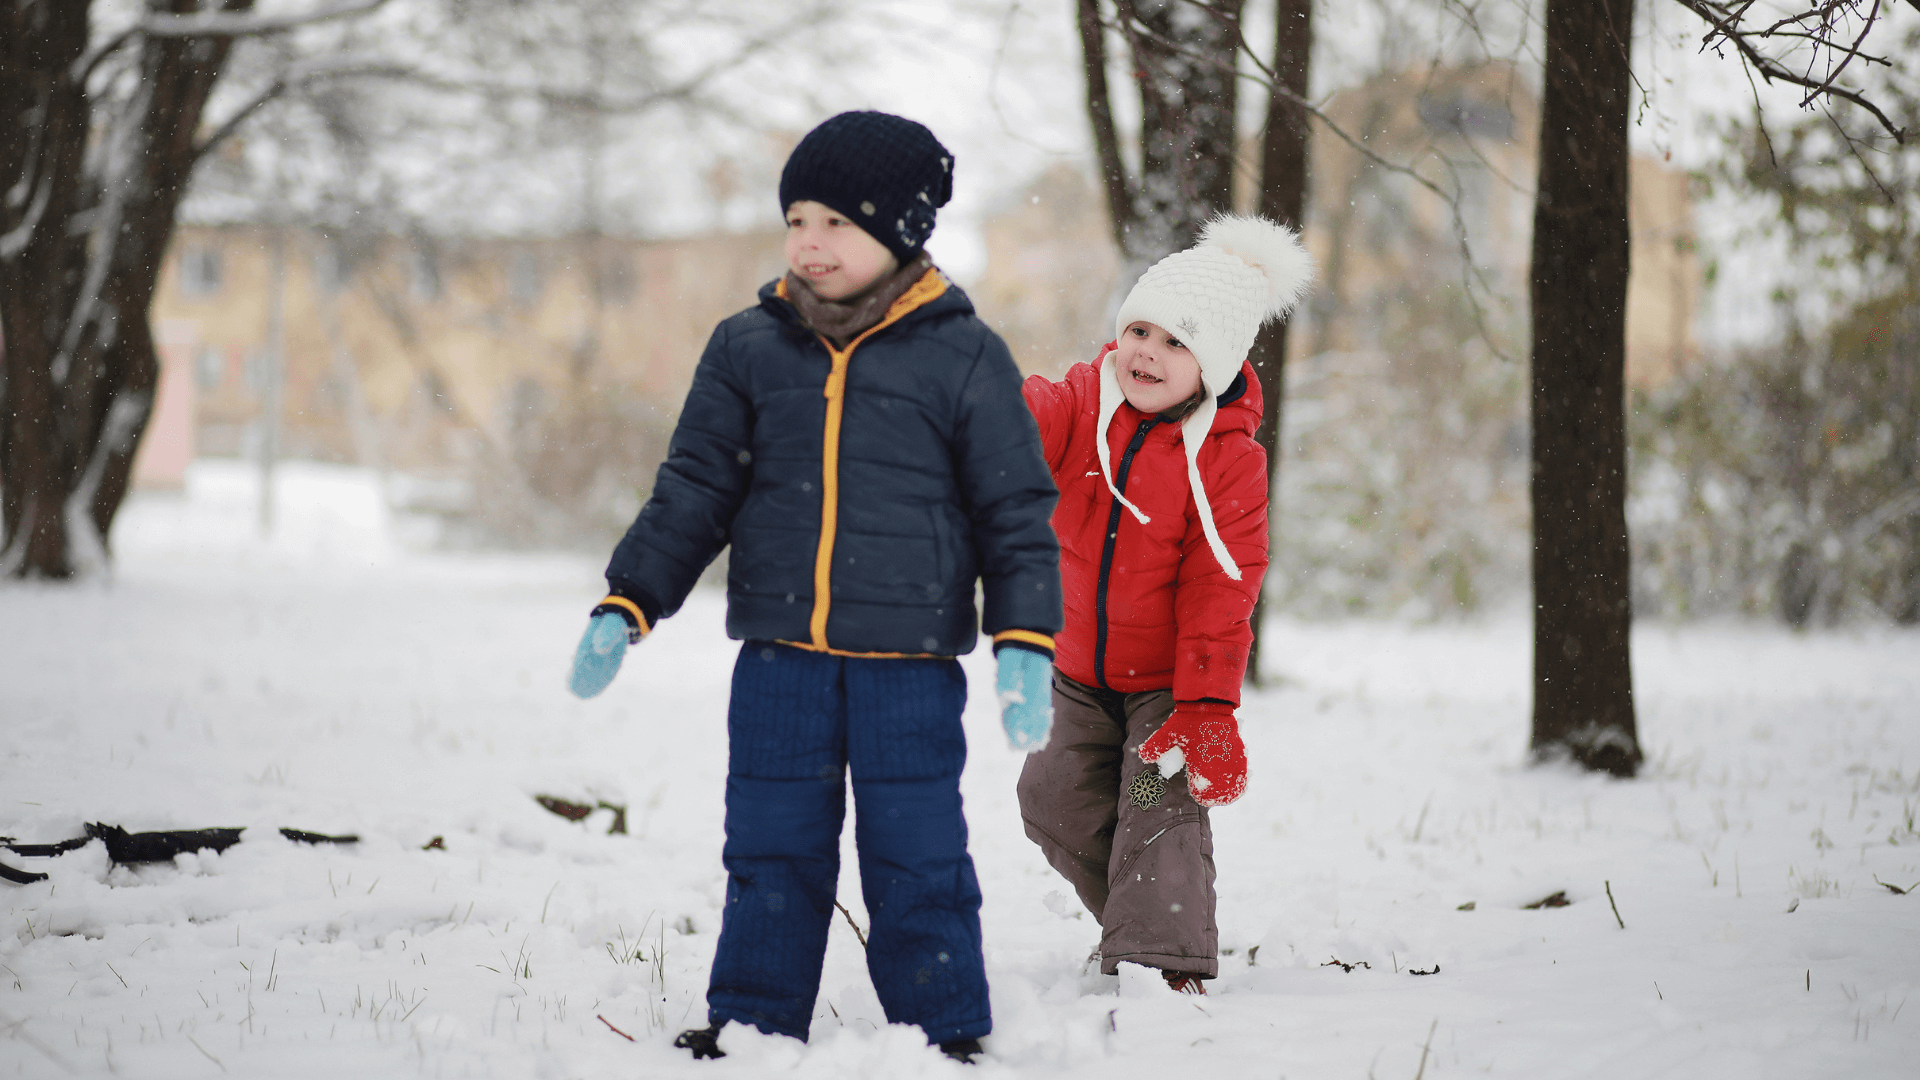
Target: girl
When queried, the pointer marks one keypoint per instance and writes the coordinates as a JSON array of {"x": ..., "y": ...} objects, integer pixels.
[{"x": 1162, "y": 523}]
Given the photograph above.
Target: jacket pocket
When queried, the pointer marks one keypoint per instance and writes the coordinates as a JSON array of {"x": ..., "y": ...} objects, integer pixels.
[{"x": 943, "y": 554}]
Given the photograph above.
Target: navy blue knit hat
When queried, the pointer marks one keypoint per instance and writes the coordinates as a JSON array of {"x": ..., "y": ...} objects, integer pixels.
[{"x": 886, "y": 173}]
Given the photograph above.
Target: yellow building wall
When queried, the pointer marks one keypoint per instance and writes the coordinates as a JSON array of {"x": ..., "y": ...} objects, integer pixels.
[{"x": 420, "y": 357}]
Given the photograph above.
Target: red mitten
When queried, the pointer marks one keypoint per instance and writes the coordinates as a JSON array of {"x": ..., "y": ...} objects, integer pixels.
[{"x": 1207, "y": 740}]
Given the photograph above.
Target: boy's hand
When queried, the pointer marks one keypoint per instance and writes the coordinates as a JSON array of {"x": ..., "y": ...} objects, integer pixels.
[
  {"x": 1025, "y": 687},
  {"x": 1205, "y": 737},
  {"x": 597, "y": 659}
]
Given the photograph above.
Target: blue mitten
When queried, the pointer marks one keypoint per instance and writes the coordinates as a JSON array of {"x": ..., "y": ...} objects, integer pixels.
[
  {"x": 1025, "y": 687},
  {"x": 598, "y": 659}
]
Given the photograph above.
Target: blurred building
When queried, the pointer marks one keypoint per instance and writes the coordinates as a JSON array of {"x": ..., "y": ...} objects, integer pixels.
[
  {"x": 1051, "y": 268},
  {"x": 1386, "y": 246},
  {"x": 535, "y": 381},
  {"x": 448, "y": 358},
  {"x": 1383, "y": 239},
  {"x": 1403, "y": 489}
]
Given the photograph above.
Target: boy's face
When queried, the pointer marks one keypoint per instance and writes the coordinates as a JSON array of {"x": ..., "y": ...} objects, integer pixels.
[
  {"x": 832, "y": 254},
  {"x": 1156, "y": 371}
]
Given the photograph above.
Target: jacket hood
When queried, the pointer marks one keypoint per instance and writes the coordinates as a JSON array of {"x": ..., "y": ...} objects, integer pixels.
[{"x": 1240, "y": 407}]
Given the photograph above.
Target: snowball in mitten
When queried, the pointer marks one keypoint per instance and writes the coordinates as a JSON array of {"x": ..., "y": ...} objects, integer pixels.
[
  {"x": 597, "y": 659},
  {"x": 1205, "y": 735},
  {"x": 1025, "y": 687}
]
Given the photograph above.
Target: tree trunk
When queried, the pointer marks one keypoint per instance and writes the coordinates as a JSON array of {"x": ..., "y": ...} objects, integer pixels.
[
  {"x": 1106, "y": 140},
  {"x": 78, "y": 265},
  {"x": 1184, "y": 55},
  {"x": 45, "y": 135},
  {"x": 1283, "y": 198},
  {"x": 1583, "y": 684}
]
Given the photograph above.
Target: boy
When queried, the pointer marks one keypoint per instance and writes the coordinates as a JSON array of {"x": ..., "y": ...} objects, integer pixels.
[{"x": 862, "y": 500}]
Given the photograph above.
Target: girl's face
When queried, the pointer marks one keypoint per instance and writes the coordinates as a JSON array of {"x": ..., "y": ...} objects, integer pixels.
[
  {"x": 835, "y": 256},
  {"x": 1156, "y": 371}
]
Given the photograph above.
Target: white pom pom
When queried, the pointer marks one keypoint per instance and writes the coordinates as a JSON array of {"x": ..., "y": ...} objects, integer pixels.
[{"x": 1270, "y": 248}]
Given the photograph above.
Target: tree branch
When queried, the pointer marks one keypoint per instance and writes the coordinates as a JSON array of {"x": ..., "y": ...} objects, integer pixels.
[
  {"x": 215, "y": 23},
  {"x": 585, "y": 101},
  {"x": 291, "y": 79},
  {"x": 1726, "y": 20},
  {"x": 1269, "y": 79}
]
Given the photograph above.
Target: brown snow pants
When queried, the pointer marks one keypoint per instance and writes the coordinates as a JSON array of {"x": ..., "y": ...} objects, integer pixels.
[{"x": 1143, "y": 865}]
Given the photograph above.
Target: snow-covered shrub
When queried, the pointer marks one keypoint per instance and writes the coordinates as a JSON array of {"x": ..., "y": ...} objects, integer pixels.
[
  {"x": 1788, "y": 480},
  {"x": 1403, "y": 472}
]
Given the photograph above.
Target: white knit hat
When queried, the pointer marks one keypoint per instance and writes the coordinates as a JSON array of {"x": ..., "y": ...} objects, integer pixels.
[{"x": 1213, "y": 297}]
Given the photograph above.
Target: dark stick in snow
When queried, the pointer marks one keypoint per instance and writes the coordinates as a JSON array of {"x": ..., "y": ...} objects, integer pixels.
[
  {"x": 856, "y": 926},
  {"x": 19, "y": 877}
]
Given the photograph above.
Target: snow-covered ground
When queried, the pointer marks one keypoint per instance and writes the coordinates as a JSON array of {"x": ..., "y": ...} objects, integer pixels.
[{"x": 332, "y": 681}]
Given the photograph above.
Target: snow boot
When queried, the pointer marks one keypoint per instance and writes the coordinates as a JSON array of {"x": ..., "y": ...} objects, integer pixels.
[
  {"x": 1182, "y": 983},
  {"x": 961, "y": 1050},
  {"x": 704, "y": 1042}
]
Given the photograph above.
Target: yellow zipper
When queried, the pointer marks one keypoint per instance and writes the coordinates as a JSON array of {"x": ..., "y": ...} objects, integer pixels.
[{"x": 929, "y": 288}]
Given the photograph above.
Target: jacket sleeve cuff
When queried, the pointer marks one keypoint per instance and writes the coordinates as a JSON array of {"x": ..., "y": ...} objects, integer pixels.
[
  {"x": 1023, "y": 639},
  {"x": 639, "y": 625},
  {"x": 1210, "y": 706}
]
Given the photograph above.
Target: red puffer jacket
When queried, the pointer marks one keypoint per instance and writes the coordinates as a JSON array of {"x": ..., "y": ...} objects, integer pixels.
[{"x": 1147, "y": 606}]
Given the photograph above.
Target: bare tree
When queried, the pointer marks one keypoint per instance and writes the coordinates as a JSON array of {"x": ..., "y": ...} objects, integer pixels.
[
  {"x": 97, "y": 143},
  {"x": 1827, "y": 33},
  {"x": 517, "y": 103},
  {"x": 1583, "y": 683},
  {"x": 1284, "y": 175},
  {"x": 102, "y": 126},
  {"x": 1183, "y": 55}
]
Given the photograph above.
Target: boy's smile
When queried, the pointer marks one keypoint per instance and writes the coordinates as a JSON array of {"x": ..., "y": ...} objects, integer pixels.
[
  {"x": 834, "y": 256},
  {"x": 1157, "y": 371}
]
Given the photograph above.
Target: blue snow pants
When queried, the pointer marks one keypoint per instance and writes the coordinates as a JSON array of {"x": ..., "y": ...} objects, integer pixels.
[{"x": 797, "y": 722}]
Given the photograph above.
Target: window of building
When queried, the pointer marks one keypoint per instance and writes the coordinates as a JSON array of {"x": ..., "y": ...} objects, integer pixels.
[
  {"x": 332, "y": 268},
  {"x": 210, "y": 367},
  {"x": 201, "y": 270},
  {"x": 1456, "y": 114},
  {"x": 523, "y": 278},
  {"x": 616, "y": 281},
  {"x": 434, "y": 389},
  {"x": 423, "y": 274},
  {"x": 260, "y": 369}
]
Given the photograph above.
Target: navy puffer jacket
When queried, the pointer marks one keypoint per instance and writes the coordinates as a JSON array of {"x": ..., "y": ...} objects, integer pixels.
[{"x": 863, "y": 490}]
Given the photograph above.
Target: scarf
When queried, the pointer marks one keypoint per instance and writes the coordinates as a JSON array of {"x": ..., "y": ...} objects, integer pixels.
[{"x": 840, "y": 321}]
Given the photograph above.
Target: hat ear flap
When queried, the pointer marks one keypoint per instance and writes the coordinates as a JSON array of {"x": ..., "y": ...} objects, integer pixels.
[
  {"x": 1110, "y": 399},
  {"x": 1192, "y": 434}
]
